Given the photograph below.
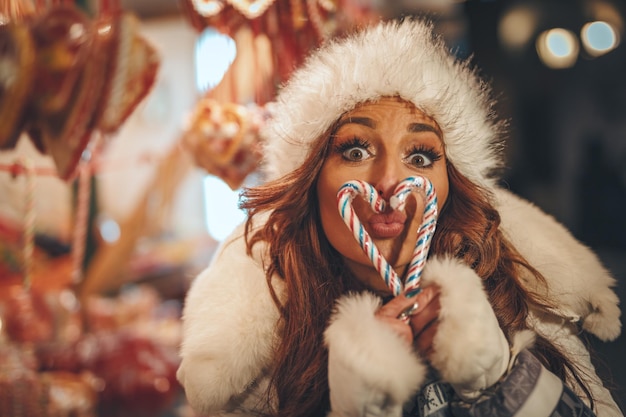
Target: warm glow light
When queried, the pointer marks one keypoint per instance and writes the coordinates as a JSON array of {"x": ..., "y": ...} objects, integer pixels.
[
  {"x": 221, "y": 208},
  {"x": 598, "y": 38},
  {"x": 557, "y": 48},
  {"x": 109, "y": 230},
  {"x": 214, "y": 54},
  {"x": 516, "y": 27},
  {"x": 208, "y": 8}
]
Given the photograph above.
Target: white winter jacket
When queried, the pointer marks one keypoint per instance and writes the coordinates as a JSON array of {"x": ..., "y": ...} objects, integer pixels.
[{"x": 230, "y": 329}]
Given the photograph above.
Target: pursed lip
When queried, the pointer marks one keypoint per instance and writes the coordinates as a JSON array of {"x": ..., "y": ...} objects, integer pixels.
[{"x": 386, "y": 225}]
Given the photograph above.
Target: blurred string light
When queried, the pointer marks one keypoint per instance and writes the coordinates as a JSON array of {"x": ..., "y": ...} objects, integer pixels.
[{"x": 559, "y": 47}]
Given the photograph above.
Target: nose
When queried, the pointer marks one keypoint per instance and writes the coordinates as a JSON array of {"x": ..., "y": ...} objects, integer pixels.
[{"x": 387, "y": 177}]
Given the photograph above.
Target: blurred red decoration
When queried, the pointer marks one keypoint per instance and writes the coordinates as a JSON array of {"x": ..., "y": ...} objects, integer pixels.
[
  {"x": 26, "y": 316},
  {"x": 68, "y": 75}
]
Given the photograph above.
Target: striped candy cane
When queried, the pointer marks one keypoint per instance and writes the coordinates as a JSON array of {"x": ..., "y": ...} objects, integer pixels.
[
  {"x": 351, "y": 189},
  {"x": 426, "y": 230}
]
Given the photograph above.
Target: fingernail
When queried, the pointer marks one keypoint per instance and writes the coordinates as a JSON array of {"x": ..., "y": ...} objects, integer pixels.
[{"x": 413, "y": 292}]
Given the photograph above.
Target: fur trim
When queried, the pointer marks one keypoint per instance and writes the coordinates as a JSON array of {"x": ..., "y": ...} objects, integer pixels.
[
  {"x": 369, "y": 353},
  {"x": 401, "y": 59},
  {"x": 470, "y": 350},
  {"x": 520, "y": 341},
  {"x": 229, "y": 325},
  {"x": 577, "y": 282}
]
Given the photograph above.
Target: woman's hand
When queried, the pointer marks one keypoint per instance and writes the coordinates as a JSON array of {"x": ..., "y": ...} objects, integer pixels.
[
  {"x": 420, "y": 326},
  {"x": 371, "y": 370}
]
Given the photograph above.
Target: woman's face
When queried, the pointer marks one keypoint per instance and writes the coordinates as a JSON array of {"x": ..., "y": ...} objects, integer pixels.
[{"x": 381, "y": 143}]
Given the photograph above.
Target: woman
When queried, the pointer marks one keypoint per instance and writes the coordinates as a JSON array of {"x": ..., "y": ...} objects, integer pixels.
[{"x": 291, "y": 319}]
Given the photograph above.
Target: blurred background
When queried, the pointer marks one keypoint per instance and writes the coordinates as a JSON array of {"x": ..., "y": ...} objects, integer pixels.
[{"x": 111, "y": 203}]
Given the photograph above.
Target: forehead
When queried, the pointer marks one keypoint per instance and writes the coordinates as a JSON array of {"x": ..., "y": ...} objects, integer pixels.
[
  {"x": 389, "y": 113},
  {"x": 389, "y": 104}
]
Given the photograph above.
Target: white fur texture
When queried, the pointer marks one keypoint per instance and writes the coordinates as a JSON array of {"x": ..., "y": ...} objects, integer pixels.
[
  {"x": 390, "y": 59},
  {"x": 470, "y": 350},
  {"x": 229, "y": 329},
  {"x": 369, "y": 364},
  {"x": 229, "y": 318},
  {"x": 577, "y": 281}
]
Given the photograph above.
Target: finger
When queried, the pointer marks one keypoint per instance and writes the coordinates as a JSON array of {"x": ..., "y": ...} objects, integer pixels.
[
  {"x": 423, "y": 341},
  {"x": 401, "y": 303},
  {"x": 395, "y": 306},
  {"x": 427, "y": 314}
]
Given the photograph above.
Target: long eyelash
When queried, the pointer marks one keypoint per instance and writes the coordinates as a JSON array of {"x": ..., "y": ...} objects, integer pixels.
[
  {"x": 351, "y": 143},
  {"x": 430, "y": 152}
]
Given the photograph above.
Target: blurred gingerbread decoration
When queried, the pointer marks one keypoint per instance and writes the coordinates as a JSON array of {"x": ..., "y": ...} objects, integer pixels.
[
  {"x": 223, "y": 139},
  {"x": 64, "y": 76}
]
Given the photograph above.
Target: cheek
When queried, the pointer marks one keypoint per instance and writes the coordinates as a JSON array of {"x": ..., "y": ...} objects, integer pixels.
[
  {"x": 327, "y": 197},
  {"x": 442, "y": 195},
  {"x": 442, "y": 188},
  {"x": 333, "y": 225}
]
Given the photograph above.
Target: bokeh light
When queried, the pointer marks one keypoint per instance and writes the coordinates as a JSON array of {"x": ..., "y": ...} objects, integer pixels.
[
  {"x": 557, "y": 48},
  {"x": 598, "y": 38},
  {"x": 517, "y": 27}
]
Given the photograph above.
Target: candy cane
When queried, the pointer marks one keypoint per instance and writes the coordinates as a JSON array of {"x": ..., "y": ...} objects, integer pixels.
[
  {"x": 351, "y": 189},
  {"x": 345, "y": 196},
  {"x": 426, "y": 230}
]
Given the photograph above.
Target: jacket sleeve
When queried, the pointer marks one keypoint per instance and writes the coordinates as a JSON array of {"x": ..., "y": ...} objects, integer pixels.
[
  {"x": 564, "y": 334},
  {"x": 470, "y": 350},
  {"x": 577, "y": 282},
  {"x": 528, "y": 390},
  {"x": 229, "y": 331},
  {"x": 472, "y": 355},
  {"x": 371, "y": 371}
]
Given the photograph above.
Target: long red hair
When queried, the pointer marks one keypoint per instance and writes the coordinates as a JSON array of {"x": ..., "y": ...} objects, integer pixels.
[{"x": 315, "y": 276}]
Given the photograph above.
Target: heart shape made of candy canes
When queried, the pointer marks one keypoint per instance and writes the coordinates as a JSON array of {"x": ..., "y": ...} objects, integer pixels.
[{"x": 351, "y": 189}]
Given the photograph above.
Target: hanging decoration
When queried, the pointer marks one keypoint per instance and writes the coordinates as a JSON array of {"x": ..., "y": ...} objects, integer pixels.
[
  {"x": 64, "y": 75},
  {"x": 293, "y": 27},
  {"x": 223, "y": 139},
  {"x": 272, "y": 38},
  {"x": 66, "y": 81}
]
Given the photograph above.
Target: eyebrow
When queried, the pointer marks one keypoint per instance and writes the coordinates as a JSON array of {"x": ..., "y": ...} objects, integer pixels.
[
  {"x": 413, "y": 127},
  {"x": 365, "y": 121},
  {"x": 423, "y": 127}
]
